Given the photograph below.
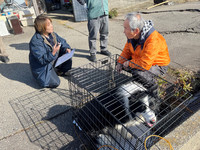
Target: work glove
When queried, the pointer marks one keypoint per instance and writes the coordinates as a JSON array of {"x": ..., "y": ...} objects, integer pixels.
[{"x": 119, "y": 67}]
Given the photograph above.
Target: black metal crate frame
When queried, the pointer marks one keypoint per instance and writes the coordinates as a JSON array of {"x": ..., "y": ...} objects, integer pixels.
[{"x": 89, "y": 81}]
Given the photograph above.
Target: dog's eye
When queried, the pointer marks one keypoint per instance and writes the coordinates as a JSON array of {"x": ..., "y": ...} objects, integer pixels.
[
  {"x": 129, "y": 98},
  {"x": 150, "y": 103},
  {"x": 143, "y": 107}
]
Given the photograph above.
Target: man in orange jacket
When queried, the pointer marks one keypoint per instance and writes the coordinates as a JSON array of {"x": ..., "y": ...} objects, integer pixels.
[{"x": 145, "y": 49}]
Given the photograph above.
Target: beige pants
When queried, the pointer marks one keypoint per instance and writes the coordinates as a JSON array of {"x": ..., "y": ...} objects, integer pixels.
[{"x": 2, "y": 48}]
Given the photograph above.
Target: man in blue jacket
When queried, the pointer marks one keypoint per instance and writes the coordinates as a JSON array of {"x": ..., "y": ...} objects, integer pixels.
[{"x": 97, "y": 22}]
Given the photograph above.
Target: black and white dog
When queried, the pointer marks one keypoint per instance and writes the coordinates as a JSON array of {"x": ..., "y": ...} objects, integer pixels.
[{"x": 116, "y": 109}]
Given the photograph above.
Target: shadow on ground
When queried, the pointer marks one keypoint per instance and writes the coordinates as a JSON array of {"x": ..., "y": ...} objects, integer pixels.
[
  {"x": 18, "y": 72},
  {"x": 62, "y": 14},
  {"x": 20, "y": 46},
  {"x": 46, "y": 116},
  {"x": 82, "y": 53}
]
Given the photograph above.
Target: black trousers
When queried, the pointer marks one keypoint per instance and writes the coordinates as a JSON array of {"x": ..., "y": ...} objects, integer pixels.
[
  {"x": 148, "y": 77},
  {"x": 66, "y": 66}
]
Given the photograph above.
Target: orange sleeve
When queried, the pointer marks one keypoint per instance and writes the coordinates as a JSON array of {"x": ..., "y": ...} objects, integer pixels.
[{"x": 125, "y": 55}]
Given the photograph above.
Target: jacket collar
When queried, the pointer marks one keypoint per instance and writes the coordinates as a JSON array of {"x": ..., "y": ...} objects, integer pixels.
[
  {"x": 40, "y": 36},
  {"x": 145, "y": 32}
]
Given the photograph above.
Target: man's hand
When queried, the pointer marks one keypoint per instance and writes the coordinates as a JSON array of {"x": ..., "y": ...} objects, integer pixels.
[
  {"x": 125, "y": 65},
  {"x": 119, "y": 67},
  {"x": 56, "y": 48},
  {"x": 68, "y": 50}
]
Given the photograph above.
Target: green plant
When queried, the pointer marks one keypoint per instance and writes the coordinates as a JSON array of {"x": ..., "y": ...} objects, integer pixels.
[
  {"x": 161, "y": 85},
  {"x": 184, "y": 80},
  {"x": 113, "y": 13}
]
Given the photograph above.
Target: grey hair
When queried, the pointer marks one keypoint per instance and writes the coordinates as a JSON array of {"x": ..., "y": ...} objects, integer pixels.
[{"x": 135, "y": 20}]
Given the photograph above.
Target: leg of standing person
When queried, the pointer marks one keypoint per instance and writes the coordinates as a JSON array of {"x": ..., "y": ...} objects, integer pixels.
[
  {"x": 104, "y": 35},
  {"x": 93, "y": 28},
  {"x": 3, "y": 56}
]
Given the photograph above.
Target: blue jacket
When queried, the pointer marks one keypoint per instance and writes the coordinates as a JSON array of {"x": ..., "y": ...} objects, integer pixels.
[{"x": 41, "y": 59}]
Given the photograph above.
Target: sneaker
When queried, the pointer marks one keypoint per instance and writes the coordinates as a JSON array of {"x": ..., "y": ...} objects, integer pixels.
[
  {"x": 107, "y": 53},
  {"x": 93, "y": 58}
]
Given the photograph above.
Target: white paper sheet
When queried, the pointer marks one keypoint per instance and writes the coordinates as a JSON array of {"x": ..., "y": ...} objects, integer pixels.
[{"x": 64, "y": 58}]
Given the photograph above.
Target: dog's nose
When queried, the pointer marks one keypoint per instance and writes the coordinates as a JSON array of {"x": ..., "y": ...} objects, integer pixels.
[{"x": 153, "y": 121}]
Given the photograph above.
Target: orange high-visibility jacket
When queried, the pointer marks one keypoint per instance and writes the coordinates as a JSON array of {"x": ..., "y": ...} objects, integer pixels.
[{"x": 154, "y": 51}]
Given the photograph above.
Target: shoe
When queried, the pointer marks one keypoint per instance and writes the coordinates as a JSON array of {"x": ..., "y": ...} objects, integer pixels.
[
  {"x": 93, "y": 58},
  {"x": 59, "y": 73},
  {"x": 67, "y": 74},
  {"x": 107, "y": 53},
  {"x": 4, "y": 59},
  {"x": 63, "y": 74}
]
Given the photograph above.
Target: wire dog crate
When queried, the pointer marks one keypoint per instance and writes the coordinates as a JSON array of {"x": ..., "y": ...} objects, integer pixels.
[{"x": 120, "y": 110}]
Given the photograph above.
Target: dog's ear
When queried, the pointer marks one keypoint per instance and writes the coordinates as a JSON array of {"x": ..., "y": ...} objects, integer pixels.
[{"x": 143, "y": 107}]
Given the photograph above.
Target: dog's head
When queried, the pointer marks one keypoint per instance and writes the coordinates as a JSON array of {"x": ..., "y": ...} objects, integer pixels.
[
  {"x": 151, "y": 109},
  {"x": 144, "y": 105},
  {"x": 140, "y": 102}
]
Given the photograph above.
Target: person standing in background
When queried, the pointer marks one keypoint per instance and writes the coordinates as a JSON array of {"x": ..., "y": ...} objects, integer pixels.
[
  {"x": 97, "y": 11},
  {"x": 3, "y": 56}
]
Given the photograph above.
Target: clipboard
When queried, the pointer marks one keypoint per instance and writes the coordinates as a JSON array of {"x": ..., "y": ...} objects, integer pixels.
[{"x": 64, "y": 58}]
